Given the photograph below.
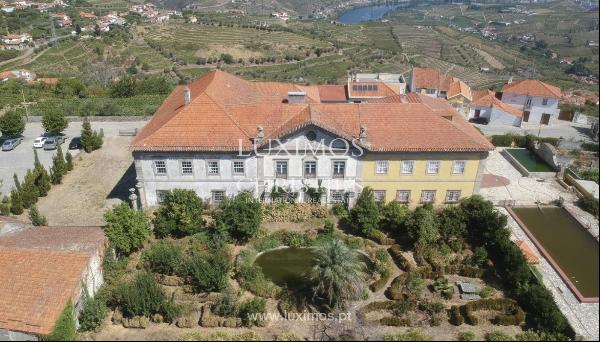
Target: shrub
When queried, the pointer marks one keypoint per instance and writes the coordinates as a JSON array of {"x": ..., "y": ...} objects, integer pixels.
[
  {"x": 144, "y": 297},
  {"x": 456, "y": 317},
  {"x": 393, "y": 216},
  {"x": 498, "y": 336},
  {"x": 295, "y": 239},
  {"x": 126, "y": 228},
  {"x": 163, "y": 257},
  {"x": 64, "y": 328},
  {"x": 251, "y": 277},
  {"x": 399, "y": 259},
  {"x": 250, "y": 310},
  {"x": 479, "y": 256},
  {"x": 221, "y": 336},
  {"x": 226, "y": 305},
  {"x": 209, "y": 272},
  {"x": 36, "y": 218},
  {"x": 394, "y": 321},
  {"x": 364, "y": 217},
  {"x": 328, "y": 228},
  {"x": 242, "y": 215},
  {"x": 589, "y": 204},
  {"x": 486, "y": 291},
  {"x": 92, "y": 314},
  {"x": 287, "y": 336},
  {"x": 340, "y": 210},
  {"x": 466, "y": 336},
  {"x": 411, "y": 335},
  {"x": 179, "y": 215}
]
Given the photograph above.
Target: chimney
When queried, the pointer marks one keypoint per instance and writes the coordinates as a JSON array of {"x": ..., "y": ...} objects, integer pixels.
[
  {"x": 187, "y": 95},
  {"x": 510, "y": 80},
  {"x": 296, "y": 97},
  {"x": 362, "y": 136},
  {"x": 260, "y": 135}
]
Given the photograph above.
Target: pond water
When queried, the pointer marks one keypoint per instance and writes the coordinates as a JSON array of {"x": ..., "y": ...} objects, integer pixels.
[
  {"x": 530, "y": 160},
  {"x": 572, "y": 248},
  {"x": 287, "y": 267}
]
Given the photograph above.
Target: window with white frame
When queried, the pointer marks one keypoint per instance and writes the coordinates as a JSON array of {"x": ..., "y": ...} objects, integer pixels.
[
  {"x": 458, "y": 167},
  {"x": 381, "y": 167},
  {"x": 281, "y": 168},
  {"x": 218, "y": 196},
  {"x": 310, "y": 169},
  {"x": 430, "y": 91},
  {"x": 407, "y": 167},
  {"x": 452, "y": 196},
  {"x": 336, "y": 196},
  {"x": 339, "y": 169},
  {"x": 238, "y": 167},
  {"x": 428, "y": 196},
  {"x": 403, "y": 196},
  {"x": 213, "y": 167},
  {"x": 186, "y": 167},
  {"x": 544, "y": 102},
  {"x": 379, "y": 195},
  {"x": 433, "y": 167},
  {"x": 160, "y": 167},
  {"x": 160, "y": 196}
]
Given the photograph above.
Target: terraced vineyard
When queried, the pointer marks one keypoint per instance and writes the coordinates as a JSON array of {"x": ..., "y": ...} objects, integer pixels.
[
  {"x": 417, "y": 40},
  {"x": 192, "y": 41}
]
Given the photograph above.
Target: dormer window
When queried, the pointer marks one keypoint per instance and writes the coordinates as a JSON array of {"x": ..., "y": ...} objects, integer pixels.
[{"x": 311, "y": 135}]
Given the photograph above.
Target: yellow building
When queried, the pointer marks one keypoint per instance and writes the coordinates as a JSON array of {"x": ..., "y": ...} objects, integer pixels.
[{"x": 419, "y": 178}]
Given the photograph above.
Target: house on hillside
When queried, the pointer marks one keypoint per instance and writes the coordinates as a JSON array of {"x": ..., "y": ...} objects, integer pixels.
[
  {"x": 15, "y": 41},
  {"x": 487, "y": 106},
  {"x": 221, "y": 135},
  {"x": 429, "y": 81},
  {"x": 538, "y": 100},
  {"x": 459, "y": 95},
  {"x": 42, "y": 268},
  {"x": 20, "y": 74},
  {"x": 366, "y": 87}
]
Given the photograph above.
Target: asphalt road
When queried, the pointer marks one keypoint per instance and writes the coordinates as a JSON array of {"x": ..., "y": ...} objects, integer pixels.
[{"x": 21, "y": 158}]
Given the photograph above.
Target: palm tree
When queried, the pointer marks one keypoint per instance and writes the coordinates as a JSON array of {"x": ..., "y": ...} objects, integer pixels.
[{"x": 338, "y": 275}]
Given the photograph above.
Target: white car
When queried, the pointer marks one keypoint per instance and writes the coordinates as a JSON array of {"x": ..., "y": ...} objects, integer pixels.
[{"x": 39, "y": 142}]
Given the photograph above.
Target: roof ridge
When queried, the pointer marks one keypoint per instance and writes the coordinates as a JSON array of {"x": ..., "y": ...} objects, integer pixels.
[{"x": 237, "y": 124}]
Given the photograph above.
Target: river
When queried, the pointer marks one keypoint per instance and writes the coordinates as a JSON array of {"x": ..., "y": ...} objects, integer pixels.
[{"x": 373, "y": 12}]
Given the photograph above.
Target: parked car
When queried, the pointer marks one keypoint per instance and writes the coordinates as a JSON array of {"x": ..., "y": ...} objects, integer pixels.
[
  {"x": 53, "y": 142},
  {"x": 39, "y": 142},
  {"x": 75, "y": 144},
  {"x": 11, "y": 143},
  {"x": 480, "y": 120}
]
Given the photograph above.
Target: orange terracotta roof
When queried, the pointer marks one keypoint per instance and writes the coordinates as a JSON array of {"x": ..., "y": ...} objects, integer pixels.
[
  {"x": 532, "y": 88},
  {"x": 42, "y": 268},
  {"x": 528, "y": 252},
  {"x": 491, "y": 101},
  {"x": 36, "y": 285},
  {"x": 431, "y": 78},
  {"x": 459, "y": 88},
  {"x": 225, "y": 112},
  {"x": 332, "y": 93}
]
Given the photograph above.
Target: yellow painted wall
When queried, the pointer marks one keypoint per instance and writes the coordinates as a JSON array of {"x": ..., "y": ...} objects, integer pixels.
[
  {"x": 420, "y": 180},
  {"x": 461, "y": 100}
]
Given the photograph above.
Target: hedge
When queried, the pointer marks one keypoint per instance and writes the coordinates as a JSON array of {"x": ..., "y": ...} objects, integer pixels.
[
  {"x": 394, "y": 321},
  {"x": 399, "y": 259},
  {"x": 507, "y": 140}
]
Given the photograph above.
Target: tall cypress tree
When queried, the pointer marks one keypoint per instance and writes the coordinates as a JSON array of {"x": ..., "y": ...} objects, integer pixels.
[
  {"x": 69, "y": 161},
  {"x": 42, "y": 179},
  {"x": 16, "y": 204},
  {"x": 87, "y": 136},
  {"x": 59, "y": 167},
  {"x": 37, "y": 219},
  {"x": 29, "y": 191}
]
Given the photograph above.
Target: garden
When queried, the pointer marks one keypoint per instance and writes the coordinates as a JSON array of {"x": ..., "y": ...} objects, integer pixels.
[{"x": 228, "y": 273}]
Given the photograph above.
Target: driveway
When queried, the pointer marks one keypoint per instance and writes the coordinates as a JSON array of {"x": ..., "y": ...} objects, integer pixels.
[
  {"x": 569, "y": 131},
  {"x": 20, "y": 159},
  {"x": 504, "y": 182}
]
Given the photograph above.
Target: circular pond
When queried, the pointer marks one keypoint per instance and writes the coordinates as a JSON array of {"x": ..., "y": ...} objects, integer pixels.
[{"x": 288, "y": 267}]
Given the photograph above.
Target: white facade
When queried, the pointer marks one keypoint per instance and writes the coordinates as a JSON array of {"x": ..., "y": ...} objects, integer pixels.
[
  {"x": 535, "y": 108},
  {"x": 285, "y": 163},
  {"x": 494, "y": 116}
]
